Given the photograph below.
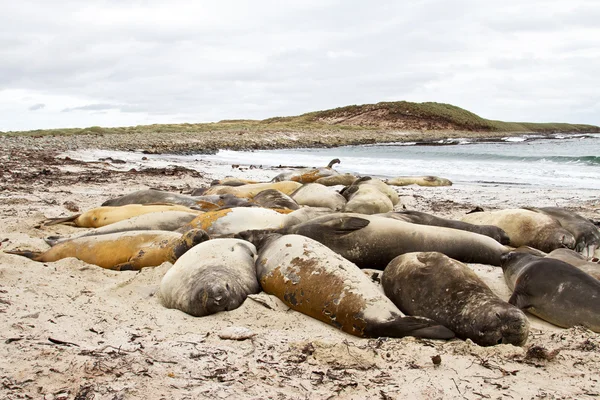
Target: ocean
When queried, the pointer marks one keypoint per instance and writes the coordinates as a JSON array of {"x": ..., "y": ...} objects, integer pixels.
[{"x": 559, "y": 160}]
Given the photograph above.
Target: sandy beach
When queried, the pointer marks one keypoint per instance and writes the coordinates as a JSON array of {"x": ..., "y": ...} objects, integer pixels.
[{"x": 72, "y": 330}]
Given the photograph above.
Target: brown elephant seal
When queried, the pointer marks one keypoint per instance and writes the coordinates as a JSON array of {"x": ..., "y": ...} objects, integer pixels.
[
  {"x": 315, "y": 281},
  {"x": 372, "y": 242},
  {"x": 339, "y": 179},
  {"x": 526, "y": 228},
  {"x": 553, "y": 290},
  {"x": 447, "y": 291},
  {"x": 214, "y": 276},
  {"x": 152, "y": 196},
  {"x": 123, "y": 251},
  {"x": 577, "y": 260},
  {"x": 251, "y": 190},
  {"x": 418, "y": 180},
  {"x": 366, "y": 200},
  {"x": 308, "y": 175},
  {"x": 421, "y": 218},
  {"x": 156, "y": 221},
  {"x": 317, "y": 195},
  {"x": 586, "y": 233},
  {"x": 233, "y": 181},
  {"x": 102, "y": 216}
]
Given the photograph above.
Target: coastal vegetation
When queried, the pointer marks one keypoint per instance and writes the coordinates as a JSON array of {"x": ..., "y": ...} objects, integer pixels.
[{"x": 384, "y": 116}]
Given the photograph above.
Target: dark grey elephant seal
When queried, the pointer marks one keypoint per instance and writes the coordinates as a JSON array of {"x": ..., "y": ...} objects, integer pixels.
[
  {"x": 272, "y": 198},
  {"x": 216, "y": 275},
  {"x": 372, "y": 242},
  {"x": 422, "y": 218},
  {"x": 552, "y": 290},
  {"x": 152, "y": 196},
  {"x": 315, "y": 281},
  {"x": 526, "y": 228},
  {"x": 586, "y": 233},
  {"x": 447, "y": 291}
]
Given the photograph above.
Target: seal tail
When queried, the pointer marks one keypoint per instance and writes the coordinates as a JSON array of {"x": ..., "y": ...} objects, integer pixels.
[
  {"x": 52, "y": 240},
  {"x": 25, "y": 253},
  {"x": 67, "y": 220},
  {"x": 411, "y": 326}
]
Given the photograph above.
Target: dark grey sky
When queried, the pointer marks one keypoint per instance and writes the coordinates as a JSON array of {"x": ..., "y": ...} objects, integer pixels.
[{"x": 114, "y": 63}]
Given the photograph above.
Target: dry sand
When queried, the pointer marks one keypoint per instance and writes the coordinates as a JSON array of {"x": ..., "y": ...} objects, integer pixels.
[{"x": 71, "y": 330}]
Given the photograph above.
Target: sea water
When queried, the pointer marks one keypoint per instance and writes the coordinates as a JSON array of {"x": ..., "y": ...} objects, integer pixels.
[
  {"x": 571, "y": 161},
  {"x": 560, "y": 160}
]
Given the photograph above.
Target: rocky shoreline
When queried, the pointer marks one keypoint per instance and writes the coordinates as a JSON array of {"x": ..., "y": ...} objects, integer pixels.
[{"x": 210, "y": 142}]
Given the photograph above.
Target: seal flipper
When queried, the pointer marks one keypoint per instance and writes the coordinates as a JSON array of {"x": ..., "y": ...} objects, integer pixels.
[
  {"x": 409, "y": 326},
  {"x": 52, "y": 240},
  {"x": 26, "y": 253},
  {"x": 520, "y": 300},
  {"x": 67, "y": 220},
  {"x": 345, "y": 225}
]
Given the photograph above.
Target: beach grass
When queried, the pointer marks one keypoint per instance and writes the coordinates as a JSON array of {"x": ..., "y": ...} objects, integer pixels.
[{"x": 384, "y": 116}]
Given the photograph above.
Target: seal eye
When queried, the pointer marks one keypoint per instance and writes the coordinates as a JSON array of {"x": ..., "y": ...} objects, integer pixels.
[
  {"x": 499, "y": 341},
  {"x": 498, "y": 316}
]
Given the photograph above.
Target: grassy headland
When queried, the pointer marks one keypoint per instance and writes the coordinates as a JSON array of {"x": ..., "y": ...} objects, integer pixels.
[{"x": 358, "y": 124}]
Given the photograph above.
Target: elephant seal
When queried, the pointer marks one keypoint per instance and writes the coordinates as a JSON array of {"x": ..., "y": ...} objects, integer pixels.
[
  {"x": 152, "y": 196},
  {"x": 339, "y": 179},
  {"x": 577, "y": 260},
  {"x": 251, "y": 190},
  {"x": 308, "y": 175},
  {"x": 214, "y": 276},
  {"x": 418, "y": 180},
  {"x": 586, "y": 233},
  {"x": 447, "y": 291},
  {"x": 317, "y": 195},
  {"x": 315, "y": 281},
  {"x": 102, "y": 216},
  {"x": 272, "y": 198},
  {"x": 123, "y": 251},
  {"x": 553, "y": 290},
  {"x": 156, "y": 221},
  {"x": 366, "y": 199},
  {"x": 233, "y": 181},
  {"x": 370, "y": 241},
  {"x": 526, "y": 228},
  {"x": 422, "y": 218},
  {"x": 234, "y": 220},
  {"x": 380, "y": 185}
]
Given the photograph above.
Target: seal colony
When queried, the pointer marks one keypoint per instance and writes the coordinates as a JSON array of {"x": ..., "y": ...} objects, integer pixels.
[{"x": 289, "y": 239}]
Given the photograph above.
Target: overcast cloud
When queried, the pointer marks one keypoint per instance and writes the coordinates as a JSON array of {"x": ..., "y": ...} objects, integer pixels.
[{"x": 117, "y": 63}]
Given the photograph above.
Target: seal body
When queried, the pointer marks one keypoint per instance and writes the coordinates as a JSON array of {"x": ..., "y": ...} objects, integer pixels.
[
  {"x": 312, "y": 279},
  {"x": 150, "y": 196},
  {"x": 366, "y": 200},
  {"x": 339, "y": 179},
  {"x": 214, "y": 276},
  {"x": 102, "y": 216},
  {"x": 418, "y": 180},
  {"x": 317, "y": 195},
  {"x": 157, "y": 221},
  {"x": 422, "y": 218},
  {"x": 577, "y": 260},
  {"x": 272, "y": 198},
  {"x": 586, "y": 233},
  {"x": 251, "y": 190},
  {"x": 447, "y": 291},
  {"x": 380, "y": 185},
  {"x": 553, "y": 290},
  {"x": 372, "y": 242},
  {"x": 308, "y": 175},
  {"x": 526, "y": 228},
  {"x": 234, "y": 220},
  {"x": 122, "y": 251}
]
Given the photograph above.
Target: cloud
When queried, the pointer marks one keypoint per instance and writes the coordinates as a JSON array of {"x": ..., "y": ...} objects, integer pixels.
[
  {"x": 37, "y": 106},
  {"x": 207, "y": 61}
]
